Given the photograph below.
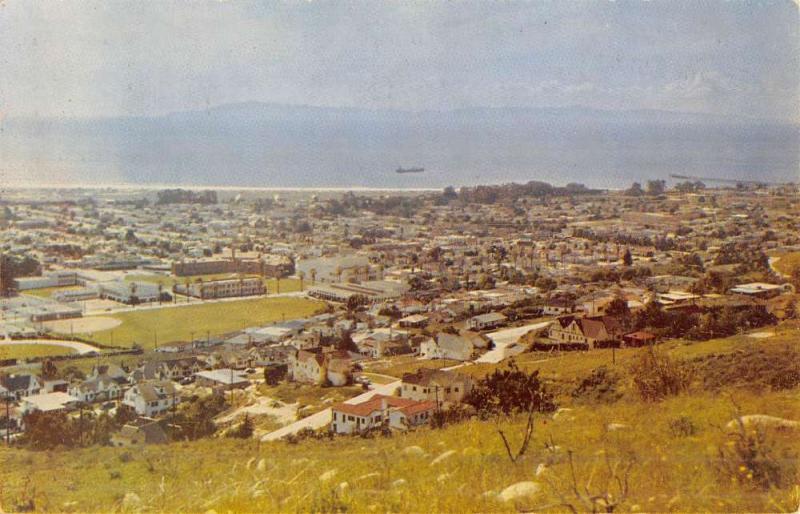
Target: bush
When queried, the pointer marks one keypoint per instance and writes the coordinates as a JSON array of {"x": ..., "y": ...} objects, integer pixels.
[
  {"x": 682, "y": 426},
  {"x": 750, "y": 460},
  {"x": 656, "y": 376},
  {"x": 453, "y": 414},
  {"x": 600, "y": 386},
  {"x": 510, "y": 391}
]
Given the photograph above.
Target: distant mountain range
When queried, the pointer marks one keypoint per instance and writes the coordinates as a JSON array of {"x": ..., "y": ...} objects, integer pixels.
[{"x": 271, "y": 145}]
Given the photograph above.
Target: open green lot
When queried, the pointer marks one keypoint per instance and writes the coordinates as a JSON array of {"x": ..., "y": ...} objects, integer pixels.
[
  {"x": 787, "y": 262},
  {"x": 179, "y": 323},
  {"x": 25, "y": 351}
]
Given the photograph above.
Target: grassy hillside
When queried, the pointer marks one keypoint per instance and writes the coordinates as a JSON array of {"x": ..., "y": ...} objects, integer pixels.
[
  {"x": 178, "y": 323},
  {"x": 681, "y": 454},
  {"x": 672, "y": 470}
]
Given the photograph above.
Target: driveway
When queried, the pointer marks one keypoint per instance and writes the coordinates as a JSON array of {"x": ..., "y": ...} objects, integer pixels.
[
  {"x": 322, "y": 418},
  {"x": 504, "y": 338}
]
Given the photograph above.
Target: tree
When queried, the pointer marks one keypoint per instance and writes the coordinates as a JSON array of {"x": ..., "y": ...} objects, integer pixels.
[
  {"x": 656, "y": 187},
  {"x": 356, "y": 301},
  {"x": 244, "y": 430},
  {"x": 634, "y": 190},
  {"x": 302, "y": 276},
  {"x": 346, "y": 343},
  {"x": 510, "y": 391},
  {"x": 618, "y": 307},
  {"x": 627, "y": 258}
]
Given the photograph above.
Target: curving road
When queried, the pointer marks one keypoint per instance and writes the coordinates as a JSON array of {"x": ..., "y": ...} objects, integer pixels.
[{"x": 81, "y": 348}]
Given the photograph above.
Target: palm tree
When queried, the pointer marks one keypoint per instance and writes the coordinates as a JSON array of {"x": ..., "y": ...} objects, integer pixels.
[
  {"x": 339, "y": 272},
  {"x": 133, "y": 292},
  {"x": 160, "y": 291},
  {"x": 302, "y": 275},
  {"x": 313, "y": 272}
]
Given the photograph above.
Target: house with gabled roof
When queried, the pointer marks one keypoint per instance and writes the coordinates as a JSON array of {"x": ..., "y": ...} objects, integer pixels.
[
  {"x": 19, "y": 385},
  {"x": 588, "y": 331},
  {"x": 97, "y": 389},
  {"x": 152, "y": 398},
  {"x": 378, "y": 412},
  {"x": 436, "y": 385}
]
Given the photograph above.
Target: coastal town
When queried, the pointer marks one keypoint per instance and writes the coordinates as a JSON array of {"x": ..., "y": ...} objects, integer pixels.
[{"x": 146, "y": 316}]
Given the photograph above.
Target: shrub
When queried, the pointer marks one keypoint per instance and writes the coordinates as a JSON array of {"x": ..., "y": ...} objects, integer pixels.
[
  {"x": 510, "y": 391},
  {"x": 656, "y": 376},
  {"x": 682, "y": 426},
  {"x": 750, "y": 460},
  {"x": 600, "y": 386}
]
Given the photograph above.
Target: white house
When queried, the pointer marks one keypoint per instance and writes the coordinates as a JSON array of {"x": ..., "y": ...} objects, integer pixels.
[
  {"x": 486, "y": 321},
  {"x": 19, "y": 386},
  {"x": 448, "y": 346},
  {"x": 100, "y": 388},
  {"x": 380, "y": 411},
  {"x": 152, "y": 398}
]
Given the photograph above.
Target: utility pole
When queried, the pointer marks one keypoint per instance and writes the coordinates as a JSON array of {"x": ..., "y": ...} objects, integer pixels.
[
  {"x": 7, "y": 398},
  {"x": 80, "y": 426},
  {"x": 231, "y": 386}
]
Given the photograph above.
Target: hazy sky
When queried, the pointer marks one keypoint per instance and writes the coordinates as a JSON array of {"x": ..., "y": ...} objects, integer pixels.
[{"x": 84, "y": 58}]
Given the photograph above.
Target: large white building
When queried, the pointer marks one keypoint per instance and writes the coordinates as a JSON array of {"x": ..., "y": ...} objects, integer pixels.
[{"x": 223, "y": 288}]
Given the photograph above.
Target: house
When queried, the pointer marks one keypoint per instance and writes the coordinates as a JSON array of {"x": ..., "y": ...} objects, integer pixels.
[
  {"x": 585, "y": 331},
  {"x": 222, "y": 379},
  {"x": 172, "y": 369},
  {"x": 448, "y": 346},
  {"x": 318, "y": 367},
  {"x": 139, "y": 432},
  {"x": 762, "y": 290},
  {"x": 442, "y": 387},
  {"x": 152, "y": 398},
  {"x": 486, "y": 321},
  {"x": 270, "y": 355},
  {"x": 48, "y": 402},
  {"x": 640, "y": 338},
  {"x": 413, "y": 321},
  {"x": 19, "y": 386},
  {"x": 380, "y": 411},
  {"x": 558, "y": 306},
  {"x": 112, "y": 371},
  {"x": 98, "y": 389}
]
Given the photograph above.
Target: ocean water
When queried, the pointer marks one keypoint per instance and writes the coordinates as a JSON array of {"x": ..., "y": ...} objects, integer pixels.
[{"x": 268, "y": 146}]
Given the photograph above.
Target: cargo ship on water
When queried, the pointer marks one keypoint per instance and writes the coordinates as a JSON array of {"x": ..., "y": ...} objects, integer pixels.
[{"x": 409, "y": 170}]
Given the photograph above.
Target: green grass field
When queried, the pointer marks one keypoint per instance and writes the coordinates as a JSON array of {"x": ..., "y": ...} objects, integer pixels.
[
  {"x": 178, "y": 323},
  {"x": 24, "y": 351},
  {"x": 787, "y": 262}
]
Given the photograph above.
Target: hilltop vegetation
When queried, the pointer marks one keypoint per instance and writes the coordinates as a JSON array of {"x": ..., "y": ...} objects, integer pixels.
[{"x": 676, "y": 452}]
